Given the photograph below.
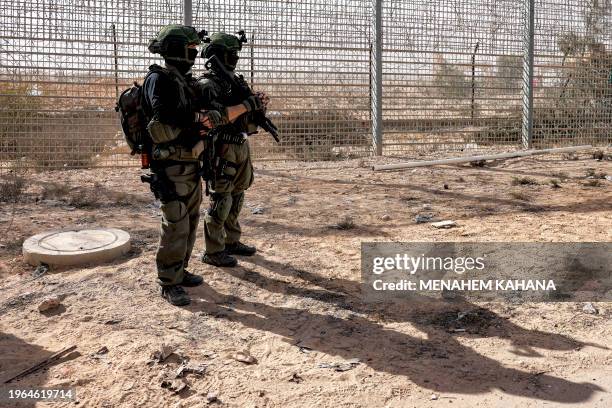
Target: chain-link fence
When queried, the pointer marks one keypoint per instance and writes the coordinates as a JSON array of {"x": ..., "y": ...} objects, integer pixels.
[{"x": 452, "y": 74}]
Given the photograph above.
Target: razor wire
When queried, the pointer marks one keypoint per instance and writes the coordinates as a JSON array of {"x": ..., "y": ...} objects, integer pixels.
[{"x": 452, "y": 74}]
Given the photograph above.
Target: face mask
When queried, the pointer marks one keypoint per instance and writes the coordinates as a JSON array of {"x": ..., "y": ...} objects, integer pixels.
[
  {"x": 231, "y": 59},
  {"x": 192, "y": 54}
]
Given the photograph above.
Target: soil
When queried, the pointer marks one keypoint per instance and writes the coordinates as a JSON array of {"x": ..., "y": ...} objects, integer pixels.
[{"x": 293, "y": 313}]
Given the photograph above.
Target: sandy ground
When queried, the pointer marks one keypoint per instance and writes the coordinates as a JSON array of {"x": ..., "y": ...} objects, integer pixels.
[{"x": 296, "y": 305}]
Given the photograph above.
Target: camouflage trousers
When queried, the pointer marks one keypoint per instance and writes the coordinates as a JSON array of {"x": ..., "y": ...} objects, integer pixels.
[
  {"x": 180, "y": 217},
  {"x": 227, "y": 197}
]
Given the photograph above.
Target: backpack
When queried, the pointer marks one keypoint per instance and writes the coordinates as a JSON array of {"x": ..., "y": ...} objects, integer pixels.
[{"x": 133, "y": 120}]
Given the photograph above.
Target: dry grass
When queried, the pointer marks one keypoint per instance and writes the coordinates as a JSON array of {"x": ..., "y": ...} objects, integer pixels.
[
  {"x": 11, "y": 188},
  {"x": 346, "y": 223},
  {"x": 591, "y": 173},
  {"x": 561, "y": 175},
  {"x": 317, "y": 134},
  {"x": 520, "y": 195},
  {"x": 593, "y": 183},
  {"x": 523, "y": 181}
]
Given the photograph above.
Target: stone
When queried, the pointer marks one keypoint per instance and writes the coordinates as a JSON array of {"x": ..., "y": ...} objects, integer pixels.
[
  {"x": 49, "y": 304},
  {"x": 444, "y": 224},
  {"x": 590, "y": 309},
  {"x": 423, "y": 218},
  {"x": 386, "y": 217},
  {"x": 257, "y": 210},
  {"x": 212, "y": 397}
]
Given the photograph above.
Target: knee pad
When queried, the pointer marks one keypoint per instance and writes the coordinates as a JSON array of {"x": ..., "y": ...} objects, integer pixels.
[{"x": 220, "y": 206}]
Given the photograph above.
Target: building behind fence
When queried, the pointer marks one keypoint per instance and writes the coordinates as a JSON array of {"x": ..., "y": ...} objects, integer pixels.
[{"x": 432, "y": 75}]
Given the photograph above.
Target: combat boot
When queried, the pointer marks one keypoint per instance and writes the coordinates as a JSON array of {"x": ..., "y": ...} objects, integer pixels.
[
  {"x": 239, "y": 248},
  {"x": 221, "y": 258},
  {"x": 175, "y": 295},
  {"x": 190, "y": 280}
]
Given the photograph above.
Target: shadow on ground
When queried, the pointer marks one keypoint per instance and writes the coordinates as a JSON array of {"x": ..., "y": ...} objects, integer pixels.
[{"x": 439, "y": 362}]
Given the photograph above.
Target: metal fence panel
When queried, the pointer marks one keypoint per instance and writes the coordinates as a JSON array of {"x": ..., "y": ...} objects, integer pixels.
[
  {"x": 312, "y": 57},
  {"x": 573, "y": 72},
  {"x": 452, "y": 74}
]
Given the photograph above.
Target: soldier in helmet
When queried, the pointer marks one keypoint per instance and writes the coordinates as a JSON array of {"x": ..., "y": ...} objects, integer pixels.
[
  {"x": 178, "y": 126},
  {"x": 234, "y": 172}
]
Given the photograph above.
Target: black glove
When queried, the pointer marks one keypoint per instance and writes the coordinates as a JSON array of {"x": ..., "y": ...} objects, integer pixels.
[{"x": 253, "y": 103}]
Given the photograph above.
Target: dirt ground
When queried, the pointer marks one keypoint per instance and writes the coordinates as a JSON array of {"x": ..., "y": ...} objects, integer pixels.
[{"x": 296, "y": 305}]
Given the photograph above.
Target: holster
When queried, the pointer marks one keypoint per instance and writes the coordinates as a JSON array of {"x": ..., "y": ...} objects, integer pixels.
[{"x": 161, "y": 186}]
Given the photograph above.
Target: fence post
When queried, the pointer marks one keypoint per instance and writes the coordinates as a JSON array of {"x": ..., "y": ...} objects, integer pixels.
[
  {"x": 187, "y": 13},
  {"x": 528, "y": 61},
  {"x": 376, "y": 80},
  {"x": 116, "y": 57}
]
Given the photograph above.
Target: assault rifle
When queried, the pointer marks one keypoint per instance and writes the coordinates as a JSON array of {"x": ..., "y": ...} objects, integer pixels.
[{"x": 259, "y": 118}]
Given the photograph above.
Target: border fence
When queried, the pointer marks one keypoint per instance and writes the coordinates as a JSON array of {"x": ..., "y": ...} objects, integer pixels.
[{"x": 348, "y": 78}]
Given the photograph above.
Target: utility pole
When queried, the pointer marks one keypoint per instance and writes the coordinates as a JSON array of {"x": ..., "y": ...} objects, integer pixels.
[
  {"x": 376, "y": 78},
  {"x": 187, "y": 13}
]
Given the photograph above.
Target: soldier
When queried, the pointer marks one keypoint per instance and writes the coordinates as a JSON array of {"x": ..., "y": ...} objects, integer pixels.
[
  {"x": 234, "y": 171},
  {"x": 176, "y": 128}
]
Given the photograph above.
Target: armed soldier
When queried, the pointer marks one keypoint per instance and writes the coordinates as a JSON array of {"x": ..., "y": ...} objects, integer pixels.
[
  {"x": 176, "y": 127},
  {"x": 233, "y": 171}
]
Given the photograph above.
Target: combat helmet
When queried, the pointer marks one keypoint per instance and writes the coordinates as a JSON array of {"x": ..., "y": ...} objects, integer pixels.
[
  {"x": 172, "y": 43},
  {"x": 225, "y": 47}
]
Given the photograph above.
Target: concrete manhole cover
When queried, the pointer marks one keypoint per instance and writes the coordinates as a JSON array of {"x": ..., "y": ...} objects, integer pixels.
[{"x": 63, "y": 248}]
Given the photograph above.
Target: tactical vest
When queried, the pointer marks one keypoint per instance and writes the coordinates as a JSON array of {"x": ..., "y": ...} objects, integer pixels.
[
  {"x": 182, "y": 147},
  {"x": 228, "y": 97}
]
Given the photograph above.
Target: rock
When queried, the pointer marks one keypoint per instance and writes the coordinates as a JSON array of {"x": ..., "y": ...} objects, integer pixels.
[
  {"x": 244, "y": 357},
  {"x": 103, "y": 350},
  {"x": 163, "y": 353},
  {"x": 296, "y": 378},
  {"x": 192, "y": 368},
  {"x": 444, "y": 224},
  {"x": 423, "y": 218},
  {"x": 590, "y": 309},
  {"x": 609, "y": 178},
  {"x": 49, "y": 303},
  {"x": 212, "y": 397},
  {"x": 427, "y": 207},
  {"x": 386, "y": 217},
  {"x": 446, "y": 186},
  {"x": 257, "y": 210},
  {"x": 209, "y": 354},
  {"x": 434, "y": 397},
  {"x": 175, "y": 385},
  {"x": 40, "y": 271},
  {"x": 341, "y": 366},
  {"x": 112, "y": 322}
]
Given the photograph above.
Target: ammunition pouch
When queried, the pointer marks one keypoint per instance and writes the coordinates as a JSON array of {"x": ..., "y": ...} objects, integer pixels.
[
  {"x": 222, "y": 167},
  {"x": 177, "y": 152},
  {"x": 232, "y": 138},
  {"x": 162, "y": 133}
]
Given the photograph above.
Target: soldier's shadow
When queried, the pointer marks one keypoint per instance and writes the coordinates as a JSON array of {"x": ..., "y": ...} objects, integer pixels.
[{"x": 439, "y": 362}]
